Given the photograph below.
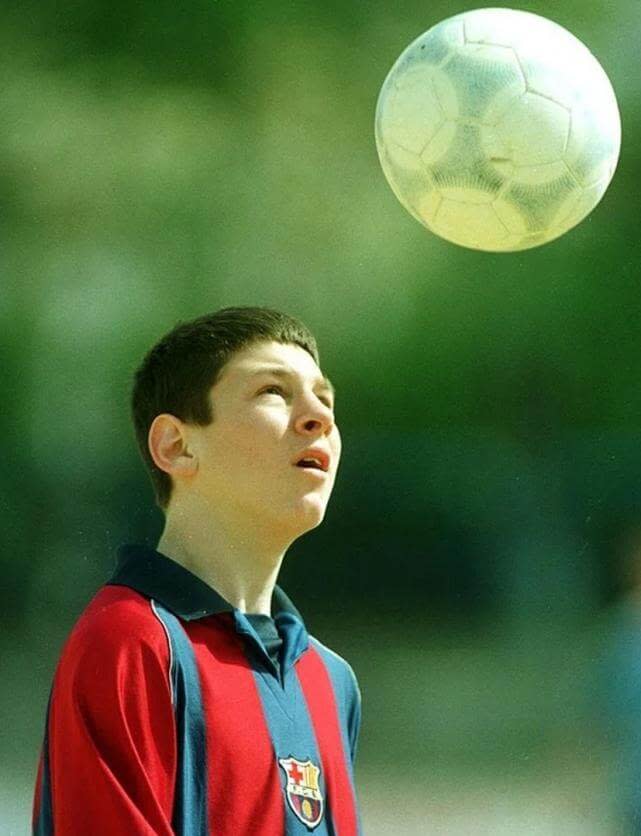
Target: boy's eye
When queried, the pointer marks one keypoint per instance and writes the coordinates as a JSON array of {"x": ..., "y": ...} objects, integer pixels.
[{"x": 274, "y": 388}]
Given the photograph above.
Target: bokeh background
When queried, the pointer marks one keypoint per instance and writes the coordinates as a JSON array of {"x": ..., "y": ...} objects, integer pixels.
[{"x": 479, "y": 560}]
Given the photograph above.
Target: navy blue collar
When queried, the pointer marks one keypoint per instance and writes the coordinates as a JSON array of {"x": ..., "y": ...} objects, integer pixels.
[{"x": 156, "y": 576}]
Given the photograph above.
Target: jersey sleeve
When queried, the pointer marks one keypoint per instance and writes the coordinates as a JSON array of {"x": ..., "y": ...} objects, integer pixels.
[{"x": 109, "y": 757}]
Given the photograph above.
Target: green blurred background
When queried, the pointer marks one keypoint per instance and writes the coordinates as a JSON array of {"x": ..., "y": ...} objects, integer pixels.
[{"x": 475, "y": 566}]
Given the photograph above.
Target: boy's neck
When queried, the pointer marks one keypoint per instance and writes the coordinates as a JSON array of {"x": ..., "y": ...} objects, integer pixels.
[{"x": 240, "y": 566}]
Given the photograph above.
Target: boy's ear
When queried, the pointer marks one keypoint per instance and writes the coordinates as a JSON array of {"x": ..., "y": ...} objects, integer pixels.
[{"x": 168, "y": 447}]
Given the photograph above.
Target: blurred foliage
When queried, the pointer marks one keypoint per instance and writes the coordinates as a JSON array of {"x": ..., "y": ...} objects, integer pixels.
[{"x": 159, "y": 162}]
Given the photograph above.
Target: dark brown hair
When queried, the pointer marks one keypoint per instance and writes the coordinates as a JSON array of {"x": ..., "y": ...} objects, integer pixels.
[{"x": 177, "y": 374}]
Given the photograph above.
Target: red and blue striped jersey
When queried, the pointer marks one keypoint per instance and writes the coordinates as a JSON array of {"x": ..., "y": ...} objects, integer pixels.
[{"x": 167, "y": 715}]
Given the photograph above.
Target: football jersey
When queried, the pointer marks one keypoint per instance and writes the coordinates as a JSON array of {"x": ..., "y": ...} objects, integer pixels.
[{"x": 169, "y": 715}]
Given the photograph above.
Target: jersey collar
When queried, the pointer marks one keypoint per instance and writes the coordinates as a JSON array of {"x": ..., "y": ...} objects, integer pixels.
[{"x": 156, "y": 576}]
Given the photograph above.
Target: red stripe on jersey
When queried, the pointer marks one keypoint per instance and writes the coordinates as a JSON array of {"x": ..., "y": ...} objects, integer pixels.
[
  {"x": 321, "y": 702},
  {"x": 244, "y": 786}
]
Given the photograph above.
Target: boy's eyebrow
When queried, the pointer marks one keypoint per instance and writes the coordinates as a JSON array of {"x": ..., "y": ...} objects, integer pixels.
[{"x": 279, "y": 371}]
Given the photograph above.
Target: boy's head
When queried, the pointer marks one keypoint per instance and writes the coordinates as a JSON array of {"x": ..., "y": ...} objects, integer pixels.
[{"x": 177, "y": 375}]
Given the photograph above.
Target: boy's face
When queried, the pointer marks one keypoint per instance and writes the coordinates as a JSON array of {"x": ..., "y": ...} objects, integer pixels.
[{"x": 270, "y": 404}]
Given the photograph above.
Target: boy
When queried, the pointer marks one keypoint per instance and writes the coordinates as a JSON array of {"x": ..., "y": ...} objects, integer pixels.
[{"x": 189, "y": 698}]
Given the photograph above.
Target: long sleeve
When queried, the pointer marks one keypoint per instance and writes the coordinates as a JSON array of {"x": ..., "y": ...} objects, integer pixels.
[{"x": 109, "y": 756}]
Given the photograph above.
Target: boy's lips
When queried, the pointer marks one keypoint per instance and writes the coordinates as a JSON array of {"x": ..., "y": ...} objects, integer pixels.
[{"x": 317, "y": 459}]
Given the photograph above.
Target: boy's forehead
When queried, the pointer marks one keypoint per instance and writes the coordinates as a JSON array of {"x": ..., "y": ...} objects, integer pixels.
[{"x": 262, "y": 356}]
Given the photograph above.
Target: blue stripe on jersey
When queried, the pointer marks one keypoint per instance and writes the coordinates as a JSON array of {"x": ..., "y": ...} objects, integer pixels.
[
  {"x": 292, "y": 735},
  {"x": 44, "y": 824},
  {"x": 190, "y": 804},
  {"x": 348, "y": 702}
]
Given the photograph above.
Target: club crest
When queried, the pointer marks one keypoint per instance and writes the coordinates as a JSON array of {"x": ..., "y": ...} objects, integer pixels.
[{"x": 303, "y": 790}]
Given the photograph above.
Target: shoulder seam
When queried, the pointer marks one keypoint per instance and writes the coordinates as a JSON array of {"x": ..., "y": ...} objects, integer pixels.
[
  {"x": 329, "y": 650},
  {"x": 346, "y": 665},
  {"x": 170, "y": 672}
]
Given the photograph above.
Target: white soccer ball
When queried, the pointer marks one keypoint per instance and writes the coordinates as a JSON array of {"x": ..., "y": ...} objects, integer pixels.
[{"x": 498, "y": 130}]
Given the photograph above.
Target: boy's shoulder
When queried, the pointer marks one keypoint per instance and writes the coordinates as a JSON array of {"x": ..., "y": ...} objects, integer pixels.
[
  {"x": 114, "y": 667},
  {"x": 116, "y": 623},
  {"x": 339, "y": 668}
]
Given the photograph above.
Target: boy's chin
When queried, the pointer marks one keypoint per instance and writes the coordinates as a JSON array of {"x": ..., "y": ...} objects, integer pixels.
[{"x": 308, "y": 515}]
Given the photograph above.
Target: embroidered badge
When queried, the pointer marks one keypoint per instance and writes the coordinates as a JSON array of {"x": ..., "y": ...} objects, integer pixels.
[{"x": 303, "y": 790}]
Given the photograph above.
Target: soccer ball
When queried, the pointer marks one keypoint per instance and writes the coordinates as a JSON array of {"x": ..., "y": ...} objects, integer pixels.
[{"x": 498, "y": 130}]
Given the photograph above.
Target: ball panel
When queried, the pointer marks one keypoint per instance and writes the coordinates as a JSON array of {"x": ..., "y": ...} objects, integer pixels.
[
  {"x": 409, "y": 179},
  {"x": 539, "y": 175},
  {"x": 473, "y": 225},
  {"x": 461, "y": 164},
  {"x": 411, "y": 114},
  {"x": 440, "y": 144},
  {"x": 595, "y": 134},
  {"x": 531, "y": 240},
  {"x": 427, "y": 206},
  {"x": 579, "y": 205},
  {"x": 504, "y": 27},
  {"x": 478, "y": 74},
  {"x": 510, "y": 215},
  {"x": 539, "y": 204},
  {"x": 431, "y": 48},
  {"x": 566, "y": 67},
  {"x": 435, "y": 44},
  {"x": 533, "y": 132}
]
